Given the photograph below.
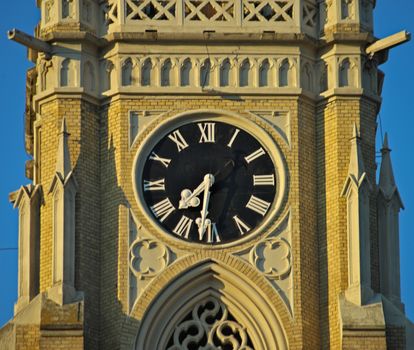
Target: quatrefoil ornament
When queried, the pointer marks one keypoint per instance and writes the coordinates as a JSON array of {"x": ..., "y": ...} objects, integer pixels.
[
  {"x": 147, "y": 258},
  {"x": 272, "y": 257}
]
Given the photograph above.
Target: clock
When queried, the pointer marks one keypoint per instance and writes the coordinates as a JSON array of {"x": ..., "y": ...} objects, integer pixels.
[{"x": 207, "y": 181}]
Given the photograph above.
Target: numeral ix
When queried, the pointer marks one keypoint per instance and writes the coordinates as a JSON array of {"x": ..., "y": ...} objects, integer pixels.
[{"x": 156, "y": 185}]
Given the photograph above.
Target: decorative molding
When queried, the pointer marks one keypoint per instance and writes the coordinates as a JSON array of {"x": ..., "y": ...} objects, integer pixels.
[
  {"x": 181, "y": 292},
  {"x": 191, "y": 15},
  {"x": 188, "y": 74},
  {"x": 280, "y": 120},
  {"x": 272, "y": 257},
  {"x": 138, "y": 120},
  {"x": 210, "y": 325},
  {"x": 147, "y": 258}
]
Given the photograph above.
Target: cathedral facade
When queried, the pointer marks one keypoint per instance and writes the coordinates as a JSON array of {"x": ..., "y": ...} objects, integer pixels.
[{"x": 203, "y": 176}]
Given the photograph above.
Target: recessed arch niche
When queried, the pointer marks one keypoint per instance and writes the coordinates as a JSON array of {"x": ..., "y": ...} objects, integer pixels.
[{"x": 211, "y": 279}]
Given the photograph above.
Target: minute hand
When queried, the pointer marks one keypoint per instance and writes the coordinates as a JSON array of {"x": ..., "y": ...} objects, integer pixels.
[{"x": 208, "y": 182}]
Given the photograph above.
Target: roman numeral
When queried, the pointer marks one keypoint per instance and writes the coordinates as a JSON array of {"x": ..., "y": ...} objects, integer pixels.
[
  {"x": 243, "y": 228},
  {"x": 233, "y": 138},
  {"x": 212, "y": 233},
  {"x": 258, "y": 205},
  {"x": 207, "y": 132},
  {"x": 178, "y": 139},
  {"x": 183, "y": 227},
  {"x": 163, "y": 209},
  {"x": 157, "y": 185},
  {"x": 256, "y": 154},
  {"x": 164, "y": 161},
  {"x": 264, "y": 180}
]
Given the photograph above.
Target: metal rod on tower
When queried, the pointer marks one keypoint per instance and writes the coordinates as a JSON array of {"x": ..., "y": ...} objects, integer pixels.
[{"x": 29, "y": 41}]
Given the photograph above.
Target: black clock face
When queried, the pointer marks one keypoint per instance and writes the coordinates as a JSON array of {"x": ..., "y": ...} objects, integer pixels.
[{"x": 209, "y": 182}]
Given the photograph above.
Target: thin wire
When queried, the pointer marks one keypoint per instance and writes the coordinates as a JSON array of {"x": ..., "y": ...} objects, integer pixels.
[{"x": 209, "y": 60}]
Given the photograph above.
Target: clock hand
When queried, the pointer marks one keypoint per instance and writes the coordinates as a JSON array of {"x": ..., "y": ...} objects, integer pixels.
[
  {"x": 189, "y": 198},
  {"x": 224, "y": 171},
  {"x": 201, "y": 222}
]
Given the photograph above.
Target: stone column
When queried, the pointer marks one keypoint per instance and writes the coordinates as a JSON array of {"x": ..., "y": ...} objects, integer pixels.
[
  {"x": 356, "y": 190},
  {"x": 63, "y": 187},
  {"x": 28, "y": 200}
]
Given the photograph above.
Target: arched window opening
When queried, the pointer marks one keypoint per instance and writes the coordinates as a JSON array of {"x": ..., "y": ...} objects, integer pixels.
[
  {"x": 127, "y": 73},
  {"x": 284, "y": 73},
  {"x": 225, "y": 73},
  {"x": 65, "y": 73},
  {"x": 345, "y": 73},
  {"x": 264, "y": 73},
  {"x": 146, "y": 73},
  {"x": 244, "y": 73},
  {"x": 166, "y": 73},
  {"x": 185, "y": 75},
  {"x": 205, "y": 73}
]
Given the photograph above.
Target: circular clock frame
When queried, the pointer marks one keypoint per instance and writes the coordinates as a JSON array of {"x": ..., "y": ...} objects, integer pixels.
[{"x": 162, "y": 126}]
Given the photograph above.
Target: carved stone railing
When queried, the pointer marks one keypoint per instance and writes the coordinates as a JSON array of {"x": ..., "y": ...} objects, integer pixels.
[{"x": 213, "y": 15}]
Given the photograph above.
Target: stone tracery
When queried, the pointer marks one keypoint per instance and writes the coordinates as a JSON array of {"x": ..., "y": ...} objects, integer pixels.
[{"x": 210, "y": 326}]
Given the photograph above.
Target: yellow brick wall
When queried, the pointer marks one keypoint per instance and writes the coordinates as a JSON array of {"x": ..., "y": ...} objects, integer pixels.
[
  {"x": 27, "y": 338},
  {"x": 117, "y": 195},
  {"x": 366, "y": 342},
  {"x": 317, "y": 162},
  {"x": 335, "y": 119},
  {"x": 83, "y": 126}
]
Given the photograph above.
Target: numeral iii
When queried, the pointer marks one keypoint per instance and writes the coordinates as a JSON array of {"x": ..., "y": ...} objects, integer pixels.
[{"x": 263, "y": 180}]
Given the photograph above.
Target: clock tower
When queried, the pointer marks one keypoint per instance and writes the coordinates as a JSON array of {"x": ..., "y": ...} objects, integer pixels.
[{"x": 203, "y": 176}]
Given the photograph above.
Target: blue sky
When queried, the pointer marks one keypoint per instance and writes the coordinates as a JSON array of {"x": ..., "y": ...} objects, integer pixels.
[{"x": 396, "y": 115}]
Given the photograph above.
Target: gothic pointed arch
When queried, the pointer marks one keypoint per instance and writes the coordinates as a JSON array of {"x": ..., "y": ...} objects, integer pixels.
[{"x": 232, "y": 299}]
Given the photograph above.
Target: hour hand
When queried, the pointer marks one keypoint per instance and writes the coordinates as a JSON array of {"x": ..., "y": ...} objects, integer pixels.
[{"x": 188, "y": 199}]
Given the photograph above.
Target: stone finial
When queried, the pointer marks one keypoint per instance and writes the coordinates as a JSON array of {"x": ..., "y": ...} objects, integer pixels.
[
  {"x": 387, "y": 184},
  {"x": 356, "y": 162},
  {"x": 63, "y": 164},
  {"x": 388, "y": 205}
]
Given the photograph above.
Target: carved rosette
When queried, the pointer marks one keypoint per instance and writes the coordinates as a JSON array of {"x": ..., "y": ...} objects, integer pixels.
[
  {"x": 272, "y": 257},
  {"x": 147, "y": 258},
  {"x": 210, "y": 326}
]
